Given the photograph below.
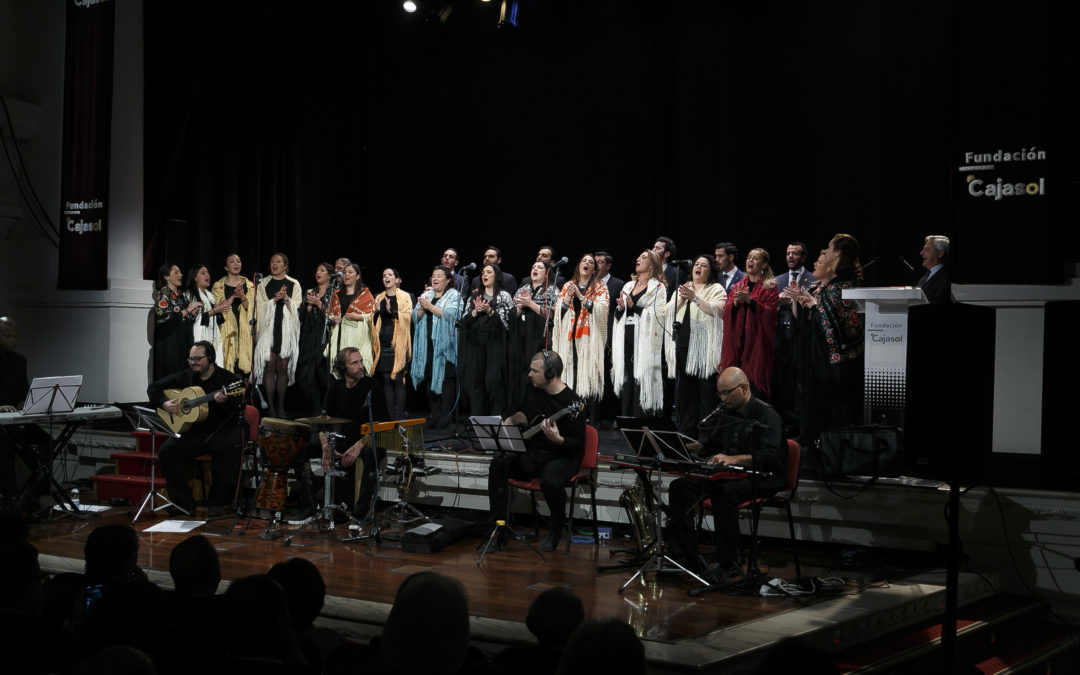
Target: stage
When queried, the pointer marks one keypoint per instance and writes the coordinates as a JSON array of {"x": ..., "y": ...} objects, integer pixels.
[{"x": 874, "y": 595}]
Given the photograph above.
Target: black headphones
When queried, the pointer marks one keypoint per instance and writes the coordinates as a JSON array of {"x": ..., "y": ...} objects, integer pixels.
[
  {"x": 339, "y": 360},
  {"x": 553, "y": 365}
]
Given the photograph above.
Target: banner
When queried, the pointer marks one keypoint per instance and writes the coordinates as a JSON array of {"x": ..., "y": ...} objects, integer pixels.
[{"x": 84, "y": 172}]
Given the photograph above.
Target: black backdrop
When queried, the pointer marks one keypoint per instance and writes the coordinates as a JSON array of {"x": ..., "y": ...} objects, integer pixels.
[{"x": 328, "y": 128}]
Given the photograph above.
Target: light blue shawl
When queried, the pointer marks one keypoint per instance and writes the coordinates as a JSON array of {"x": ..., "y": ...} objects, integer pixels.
[{"x": 443, "y": 339}]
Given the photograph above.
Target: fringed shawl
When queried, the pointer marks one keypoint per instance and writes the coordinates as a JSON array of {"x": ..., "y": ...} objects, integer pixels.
[
  {"x": 750, "y": 332},
  {"x": 587, "y": 335},
  {"x": 208, "y": 327},
  {"x": 706, "y": 332},
  {"x": 235, "y": 333},
  {"x": 264, "y": 328},
  {"x": 351, "y": 333},
  {"x": 443, "y": 339},
  {"x": 648, "y": 346},
  {"x": 402, "y": 332}
]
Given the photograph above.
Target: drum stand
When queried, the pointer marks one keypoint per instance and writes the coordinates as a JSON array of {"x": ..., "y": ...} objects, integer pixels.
[
  {"x": 329, "y": 507},
  {"x": 403, "y": 513}
]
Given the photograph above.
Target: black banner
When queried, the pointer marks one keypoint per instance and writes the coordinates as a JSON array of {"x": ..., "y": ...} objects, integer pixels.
[{"x": 84, "y": 173}]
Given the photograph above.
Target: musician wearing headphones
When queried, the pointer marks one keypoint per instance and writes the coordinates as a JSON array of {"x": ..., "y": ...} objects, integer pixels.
[
  {"x": 745, "y": 432},
  {"x": 347, "y": 398},
  {"x": 217, "y": 434},
  {"x": 554, "y": 455}
]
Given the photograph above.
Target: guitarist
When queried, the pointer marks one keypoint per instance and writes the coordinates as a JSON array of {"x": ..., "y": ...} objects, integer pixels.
[
  {"x": 554, "y": 455},
  {"x": 217, "y": 435}
]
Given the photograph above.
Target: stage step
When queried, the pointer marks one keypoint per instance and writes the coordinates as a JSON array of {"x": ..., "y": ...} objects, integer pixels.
[
  {"x": 132, "y": 488},
  {"x": 997, "y": 634}
]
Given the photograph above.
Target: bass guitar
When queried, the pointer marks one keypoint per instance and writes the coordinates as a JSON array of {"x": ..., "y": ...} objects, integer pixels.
[
  {"x": 573, "y": 410},
  {"x": 193, "y": 405}
]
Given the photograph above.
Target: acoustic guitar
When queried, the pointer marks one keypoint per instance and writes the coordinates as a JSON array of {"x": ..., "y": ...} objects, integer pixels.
[{"x": 193, "y": 405}]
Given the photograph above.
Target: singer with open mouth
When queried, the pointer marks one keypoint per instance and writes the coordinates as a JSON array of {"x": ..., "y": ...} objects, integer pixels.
[{"x": 235, "y": 331}]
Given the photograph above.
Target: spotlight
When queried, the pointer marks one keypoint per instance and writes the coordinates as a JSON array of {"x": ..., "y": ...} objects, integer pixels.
[
  {"x": 409, "y": 6},
  {"x": 508, "y": 14}
]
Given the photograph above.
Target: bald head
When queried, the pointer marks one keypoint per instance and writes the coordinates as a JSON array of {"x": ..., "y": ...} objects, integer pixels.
[
  {"x": 9, "y": 333},
  {"x": 733, "y": 388}
]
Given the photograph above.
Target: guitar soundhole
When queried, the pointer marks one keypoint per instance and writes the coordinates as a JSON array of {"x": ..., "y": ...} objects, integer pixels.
[{"x": 185, "y": 407}]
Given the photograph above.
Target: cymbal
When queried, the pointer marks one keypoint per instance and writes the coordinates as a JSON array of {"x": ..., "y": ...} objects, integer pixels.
[{"x": 323, "y": 419}]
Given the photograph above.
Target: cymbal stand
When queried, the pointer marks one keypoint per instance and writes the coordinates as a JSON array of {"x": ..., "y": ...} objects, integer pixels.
[
  {"x": 656, "y": 563},
  {"x": 329, "y": 506}
]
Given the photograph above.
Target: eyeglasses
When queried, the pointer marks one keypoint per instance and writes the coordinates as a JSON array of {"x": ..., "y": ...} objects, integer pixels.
[
  {"x": 196, "y": 359},
  {"x": 727, "y": 392}
]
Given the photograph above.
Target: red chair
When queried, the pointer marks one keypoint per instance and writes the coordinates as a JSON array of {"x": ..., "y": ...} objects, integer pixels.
[
  {"x": 586, "y": 475},
  {"x": 781, "y": 499}
]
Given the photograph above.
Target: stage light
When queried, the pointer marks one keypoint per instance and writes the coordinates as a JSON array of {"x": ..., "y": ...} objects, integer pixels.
[
  {"x": 508, "y": 14},
  {"x": 409, "y": 6}
]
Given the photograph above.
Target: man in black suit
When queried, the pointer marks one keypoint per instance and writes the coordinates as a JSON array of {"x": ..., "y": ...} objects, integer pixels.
[
  {"x": 785, "y": 397},
  {"x": 609, "y": 404},
  {"x": 935, "y": 283},
  {"x": 547, "y": 254},
  {"x": 450, "y": 260},
  {"x": 493, "y": 256},
  {"x": 725, "y": 256},
  {"x": 665, "y": 249}
]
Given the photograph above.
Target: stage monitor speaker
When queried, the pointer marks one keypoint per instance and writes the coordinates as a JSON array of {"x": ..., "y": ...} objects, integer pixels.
[
  {"x": 1060, "y": 463},
  {"x": 950, "y": 391}
]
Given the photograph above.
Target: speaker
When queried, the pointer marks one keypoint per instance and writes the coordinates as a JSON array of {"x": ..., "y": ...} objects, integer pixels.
[
  {"x": 1060, "y": 463},
  {"x": 948, "y": 428}
]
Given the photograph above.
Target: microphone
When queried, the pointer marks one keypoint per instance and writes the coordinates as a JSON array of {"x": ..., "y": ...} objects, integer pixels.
[
  {"x": 258, "y": 277},
  {"x": 906, "y": 263},
  {"x": 688, "y": 263},
  {"x": 863, "y": 267},
  {"x": 469, "y": 268},
  {"x": 336, "y": 275},
  {"x": 711, "y": 414},
  {"x": 562, "y": 261}
]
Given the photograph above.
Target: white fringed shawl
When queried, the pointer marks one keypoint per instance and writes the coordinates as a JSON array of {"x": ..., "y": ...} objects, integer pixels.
[
  {"x": 589, "y": 339},
  {"x": 264, "y": 329},
  {"x": 648, "y": 346},
  {"x": 706, "y": 332},
  {"x": 211, "y": 332}
]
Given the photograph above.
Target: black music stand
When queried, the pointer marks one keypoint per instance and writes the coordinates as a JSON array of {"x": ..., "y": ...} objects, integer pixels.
[
  {"x": 493, "y": 436},
  {"x": 650, "y": 443},
  {"x": 145, "y": 419}
]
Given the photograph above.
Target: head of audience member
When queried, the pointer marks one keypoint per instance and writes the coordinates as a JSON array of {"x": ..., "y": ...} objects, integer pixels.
[
  {"x": 21, "y": 583},
  {"x": 391, "y": 279},
  {"x": 647, "y": 266},
  {"x": 9, "y": 333},
  {"x": 935, "y": 250},
  {"x": 733, "y": 389},
  {"x": 323, "y": 272},
  {"x": 112, "y": 555},
  {"x": 441, "y": 278},
  {"x": 553, "y": 616},
  {"x": 795, "y": 255},
  {"x": 664, "y": 248},
  {"x": 491, "y": 279},
  {"x": 842, "y": 257},
  {"x": 725, "y": 256},
  {"x": 449, "y": 259},
  {"x": 201, "y": 359},
  {"x": 545, "y": 369},
  {"x": 547, "y": 254},
  {"x": 702, "y": 271},
  {"x": 118, "y": 660},
  {"x": 279, "y": 265},
  {"x": 305, "y": 589},
  {"x": 257, "y": 610},
  {"x": 538, "y": 273},
  {"x": 168, "y": 276},
  {"x": 351, "y": 279},
  {"x": 197, "y": 279},
  {"x": 603, "y": 646},
  {"x": 758, "y": 268},
  {"x": 585, "y": 272},
  {"x": 340, "y": 264},
  {"x": 195, "y": 567},
  {"x": 233, "y": 265},
  {"x": 436, "y": 607},
  {"x": 603, "y": 263}
]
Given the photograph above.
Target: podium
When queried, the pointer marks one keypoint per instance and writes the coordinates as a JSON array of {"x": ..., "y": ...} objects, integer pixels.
[{"x": 885, "y": 364}]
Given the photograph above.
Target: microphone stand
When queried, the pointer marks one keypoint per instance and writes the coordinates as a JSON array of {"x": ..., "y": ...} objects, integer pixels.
[
  {"x": 253, "y": 322},
  {"x": 373, "y": 535}
]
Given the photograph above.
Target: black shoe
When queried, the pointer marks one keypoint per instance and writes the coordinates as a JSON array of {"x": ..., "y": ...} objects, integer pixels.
[{"x": 551, "y": 541}]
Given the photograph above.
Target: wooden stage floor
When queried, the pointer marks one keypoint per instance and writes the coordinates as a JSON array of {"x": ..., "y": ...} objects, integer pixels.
[{"x": 680, "y": 632}]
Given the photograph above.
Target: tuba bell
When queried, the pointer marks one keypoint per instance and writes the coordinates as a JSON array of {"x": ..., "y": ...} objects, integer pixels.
[{"x": 641, "y": 515}]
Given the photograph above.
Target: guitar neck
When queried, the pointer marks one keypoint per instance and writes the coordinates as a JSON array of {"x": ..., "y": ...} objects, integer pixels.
[{"x": 532, "y": 431}]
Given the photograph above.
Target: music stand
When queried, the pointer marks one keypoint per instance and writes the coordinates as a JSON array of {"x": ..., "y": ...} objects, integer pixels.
[
  {"x": 145, "y": 419},
  {"x": 647, "y": 445},
  {"x": 52, "y": 395},
  {"x": 498, "y": 438}
]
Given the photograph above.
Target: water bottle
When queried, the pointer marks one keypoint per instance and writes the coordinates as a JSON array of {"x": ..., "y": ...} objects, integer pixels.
[{"x": 75, "y": 498}]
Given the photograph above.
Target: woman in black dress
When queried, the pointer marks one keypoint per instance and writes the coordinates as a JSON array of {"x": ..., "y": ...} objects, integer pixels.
[
  {"x": 173, "y": 314},
  {"x": 312, "y": 370},
  {"x": 485, "y": 372},
  {"x": 392, "y": 340}
]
